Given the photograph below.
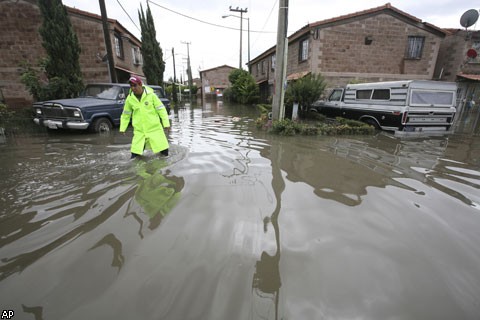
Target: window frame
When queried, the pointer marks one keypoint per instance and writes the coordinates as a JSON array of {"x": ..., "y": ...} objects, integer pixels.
[
  {"x": 118, "y": 46},
  {"x": 372, "y": 94},
  {"x": 137, "y": 58},
  {"x": 414, "y": 50},
  {"x": 303, "y": 48}
]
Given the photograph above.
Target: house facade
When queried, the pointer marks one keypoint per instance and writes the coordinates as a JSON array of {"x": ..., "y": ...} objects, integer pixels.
[
  {"x": 215, "y": 80},
  {"x": 378, "y": 44},
  {"x": 21, "y": 43},
  {"x": 459, "y": 61}
]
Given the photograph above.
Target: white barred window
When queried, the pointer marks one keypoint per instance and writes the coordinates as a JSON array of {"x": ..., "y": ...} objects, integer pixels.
[{"x": 137, "y": 56}]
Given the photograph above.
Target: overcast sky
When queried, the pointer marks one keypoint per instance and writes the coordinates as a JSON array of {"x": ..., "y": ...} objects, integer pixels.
[{"x": 215, "y": 41}]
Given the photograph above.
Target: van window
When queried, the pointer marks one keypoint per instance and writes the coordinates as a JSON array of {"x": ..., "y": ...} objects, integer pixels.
[
  {"x": 381, "y": 94},
  {"x": 363, "y": 94},
  {"x": 420, "y": 97}
]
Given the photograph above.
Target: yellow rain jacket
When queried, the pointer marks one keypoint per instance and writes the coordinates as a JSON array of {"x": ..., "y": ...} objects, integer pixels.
[{"x": 147, "y": 128}]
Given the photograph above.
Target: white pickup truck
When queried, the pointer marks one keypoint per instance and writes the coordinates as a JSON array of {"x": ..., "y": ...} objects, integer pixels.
[{"x": 409, "y": 105}]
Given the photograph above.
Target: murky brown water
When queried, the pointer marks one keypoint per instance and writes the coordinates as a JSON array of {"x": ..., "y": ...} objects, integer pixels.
[{"x": 240, "y": 224}]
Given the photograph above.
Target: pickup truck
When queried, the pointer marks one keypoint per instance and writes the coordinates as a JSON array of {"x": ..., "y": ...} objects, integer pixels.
[
  {"x": 97, "y": 109},
  {"x": 408, "y": 105}
]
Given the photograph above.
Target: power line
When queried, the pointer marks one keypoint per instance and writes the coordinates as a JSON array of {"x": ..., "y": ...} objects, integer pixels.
[
  {"x": 201, "y": 21},
  {"x": 128, "y": 16}
]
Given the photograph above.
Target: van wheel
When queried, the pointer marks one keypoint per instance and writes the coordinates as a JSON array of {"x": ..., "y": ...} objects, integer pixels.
[
  {"x": 101, "y": 125},
  {"x": 372, "y": 122}
]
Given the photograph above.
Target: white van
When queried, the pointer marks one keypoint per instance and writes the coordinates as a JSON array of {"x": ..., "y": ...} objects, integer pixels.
[{"x": 409, "y": 105}]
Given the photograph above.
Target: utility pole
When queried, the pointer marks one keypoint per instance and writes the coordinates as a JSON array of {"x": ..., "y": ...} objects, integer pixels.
[
  {"x": 241, "y": 30},
  {"x": 108, "y": 42},
  {"x": 174, "y": 91},
  {"x": 278, "y": 109},
  {"x": 189, "y": 70}
]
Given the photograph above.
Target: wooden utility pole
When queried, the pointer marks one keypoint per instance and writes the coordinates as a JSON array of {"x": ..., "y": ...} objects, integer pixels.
[
  {"x": 189, "y": 70},
  {"x": 174, "y": 91},
  {"x": 241, "y": 31},
  {"x": 278, "y": 109},
  {"x": 108, "y": 42}
]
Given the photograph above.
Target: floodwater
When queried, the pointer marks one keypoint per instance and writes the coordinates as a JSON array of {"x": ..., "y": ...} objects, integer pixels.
[{"x": 240, "y": 224}]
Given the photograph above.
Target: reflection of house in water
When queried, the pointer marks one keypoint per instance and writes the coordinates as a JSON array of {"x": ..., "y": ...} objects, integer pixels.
[{"x": 343, "y": 169}]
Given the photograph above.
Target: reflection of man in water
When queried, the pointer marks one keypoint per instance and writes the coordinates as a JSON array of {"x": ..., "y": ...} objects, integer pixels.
[{"x": 156, "y": 194}]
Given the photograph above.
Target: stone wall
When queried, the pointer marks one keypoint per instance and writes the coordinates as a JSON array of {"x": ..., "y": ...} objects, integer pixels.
[
  {"x": 339, "y": 51},
  {"x": 216, "y": 78},
  {"x": 19, "y": 43}
]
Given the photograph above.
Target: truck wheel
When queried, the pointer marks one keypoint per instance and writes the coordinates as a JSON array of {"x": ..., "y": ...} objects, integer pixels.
[
  {"x": 372, "y": 122},
  {"x": 101, "y": 125}
]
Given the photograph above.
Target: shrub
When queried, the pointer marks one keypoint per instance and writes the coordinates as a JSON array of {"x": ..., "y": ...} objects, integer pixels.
[
  {"x": 305, "y": 91},
  {"x": 244, "y": 89}
]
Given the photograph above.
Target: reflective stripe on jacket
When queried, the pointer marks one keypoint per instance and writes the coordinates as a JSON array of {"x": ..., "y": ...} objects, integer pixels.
[{"x": 147, "y": 126}]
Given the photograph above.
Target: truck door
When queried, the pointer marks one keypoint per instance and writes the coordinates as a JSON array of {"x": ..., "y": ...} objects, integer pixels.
[{"x": 333, "y": 105}]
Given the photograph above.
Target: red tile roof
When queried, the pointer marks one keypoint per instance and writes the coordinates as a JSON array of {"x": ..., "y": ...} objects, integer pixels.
[{"x": 475, "y": 77}]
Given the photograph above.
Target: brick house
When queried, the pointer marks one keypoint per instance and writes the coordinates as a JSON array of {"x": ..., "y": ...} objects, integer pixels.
[
  {"x": 378, "y": 44},
  {"x": 455, "y": 64},
  {"x": 20, "y": 42},
  {"x": 215, "y": 80}
]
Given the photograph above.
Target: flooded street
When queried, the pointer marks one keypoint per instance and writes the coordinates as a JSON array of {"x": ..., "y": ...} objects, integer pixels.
[{"x": 241, "y": 224}]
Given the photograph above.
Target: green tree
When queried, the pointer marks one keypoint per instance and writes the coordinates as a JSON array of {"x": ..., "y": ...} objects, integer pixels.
[
  {"x": 305, "y": 91},
  {"x": 61, "y": 67},
  {"x": 153, "y": 64},
  {"x": 244, "y": 89}
]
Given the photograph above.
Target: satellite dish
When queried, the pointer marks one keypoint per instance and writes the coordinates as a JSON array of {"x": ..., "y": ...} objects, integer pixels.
[{"x": 469, "y": 18}]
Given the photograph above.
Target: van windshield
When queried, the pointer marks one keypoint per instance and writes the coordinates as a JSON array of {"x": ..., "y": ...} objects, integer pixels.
[{"x": 428, "y": 98}]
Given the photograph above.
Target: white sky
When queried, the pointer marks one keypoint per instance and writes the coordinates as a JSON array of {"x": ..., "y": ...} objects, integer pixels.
[{"x": 215, "y": 41}]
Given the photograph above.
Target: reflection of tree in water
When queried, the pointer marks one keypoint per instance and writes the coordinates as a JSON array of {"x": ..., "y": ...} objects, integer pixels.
[{"x": 267, "y": 275}]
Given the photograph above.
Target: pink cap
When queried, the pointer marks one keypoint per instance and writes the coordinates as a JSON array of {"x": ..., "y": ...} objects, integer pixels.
[{"x": 135, "y": 80}]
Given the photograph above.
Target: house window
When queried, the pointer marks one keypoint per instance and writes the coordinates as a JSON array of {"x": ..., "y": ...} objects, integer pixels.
[
  {"x": 303, "y": 50},
  {"x": 415, "y": 47},
  {"x": 274, "y": 59},
  {"x": 263, "y": 67},
  {"x": 137, "y": 56},
  {"x": 118, "y": 46}
]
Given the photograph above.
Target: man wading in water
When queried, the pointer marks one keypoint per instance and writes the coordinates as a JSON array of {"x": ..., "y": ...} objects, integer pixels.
[{"x": 149, "y": 119}]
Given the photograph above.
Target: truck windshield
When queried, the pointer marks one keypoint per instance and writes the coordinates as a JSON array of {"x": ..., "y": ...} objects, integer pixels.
[
  {"x": 102, "y": 92},
  {"x": 428, "y": 98},
  {"x": 336, "y": 95}
]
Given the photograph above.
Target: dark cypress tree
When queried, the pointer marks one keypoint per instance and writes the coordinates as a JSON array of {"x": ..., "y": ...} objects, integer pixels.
[
  {"x": 61, "y": 66},
  {"x": 153, "y": 64}
]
